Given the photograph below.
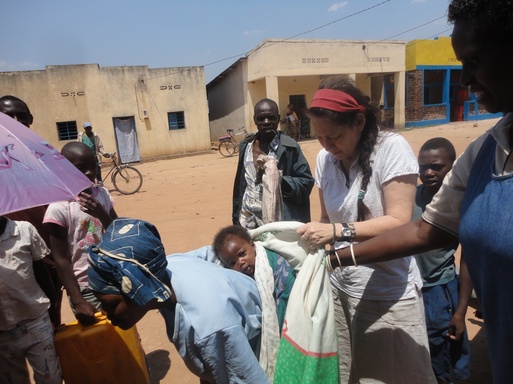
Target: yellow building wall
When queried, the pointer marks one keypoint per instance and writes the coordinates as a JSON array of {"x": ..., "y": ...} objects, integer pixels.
[
  {"x": 91, "y": 93},
  {"x": 436, "y": 52}
]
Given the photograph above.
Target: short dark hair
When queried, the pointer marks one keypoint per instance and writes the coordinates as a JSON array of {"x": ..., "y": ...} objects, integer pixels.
[
  {"x": 14, "y": 98},
  {"x": 224, "y": 233},
  {"x": 440, "y": 143},
  {"x": 490, "y": 17},
  {"x": 267, "y": 101},
  {"x": 78, "y": 149}
]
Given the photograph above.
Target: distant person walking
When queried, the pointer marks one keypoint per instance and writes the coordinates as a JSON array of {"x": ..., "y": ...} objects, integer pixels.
[{"x": 93, "y": 141}]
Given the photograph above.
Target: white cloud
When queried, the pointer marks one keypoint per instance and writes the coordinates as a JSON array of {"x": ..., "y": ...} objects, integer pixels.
[
  {"x": 335, "y": 7},
  {"x": 253, "y": 33},
  {"x": 7, "y": 66}
]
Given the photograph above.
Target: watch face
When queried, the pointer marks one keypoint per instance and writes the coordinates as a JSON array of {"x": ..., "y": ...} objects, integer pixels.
[{"x": 346, "y": 232}]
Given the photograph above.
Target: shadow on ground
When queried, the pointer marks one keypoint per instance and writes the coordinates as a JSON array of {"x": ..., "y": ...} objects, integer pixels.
[
  {"x": 481, "y": 371},
  {"x": 158, "y": 365}
]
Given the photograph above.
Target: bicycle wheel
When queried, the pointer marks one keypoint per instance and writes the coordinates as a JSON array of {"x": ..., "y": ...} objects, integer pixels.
[
  {"x": 127, "y": 180},
  {"x": 227, "y": 148}
]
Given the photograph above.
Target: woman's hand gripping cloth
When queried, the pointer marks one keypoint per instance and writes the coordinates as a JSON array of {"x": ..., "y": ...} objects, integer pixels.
[
  {"x": 272, "y": 198},
  {"x": 307, "y": 351}
]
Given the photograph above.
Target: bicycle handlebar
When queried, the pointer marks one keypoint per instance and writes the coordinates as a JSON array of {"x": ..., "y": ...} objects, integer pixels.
[{"x": 240, "y": 131}]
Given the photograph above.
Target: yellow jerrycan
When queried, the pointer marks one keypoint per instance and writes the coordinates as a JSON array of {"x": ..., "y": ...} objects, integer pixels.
[{"x": 100, "y": 354}]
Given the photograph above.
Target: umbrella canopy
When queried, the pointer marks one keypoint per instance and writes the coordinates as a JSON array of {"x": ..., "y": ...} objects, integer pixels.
[{"x": 32, "y": 172}]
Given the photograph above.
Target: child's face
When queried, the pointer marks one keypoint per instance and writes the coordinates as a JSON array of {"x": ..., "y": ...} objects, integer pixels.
[
  {"x": 85, "y": 163},
  {"x": 434, "y": 164},
  {"x": 238, "y": 254}
]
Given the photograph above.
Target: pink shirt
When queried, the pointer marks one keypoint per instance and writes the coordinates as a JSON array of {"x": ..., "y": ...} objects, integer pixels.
[{"x": 83, "y": 229}]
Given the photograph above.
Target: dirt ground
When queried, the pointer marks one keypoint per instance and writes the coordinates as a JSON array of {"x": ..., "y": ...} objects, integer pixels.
[{"x": 189, "y": 199}]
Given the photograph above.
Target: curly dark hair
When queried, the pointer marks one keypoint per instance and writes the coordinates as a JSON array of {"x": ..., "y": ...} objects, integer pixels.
[
  {"x": 368, "y": 136},
  {"x": 224, "y": 233},
  {"x": 492, "y": 18},
  {"x": 440, "y": 143}
]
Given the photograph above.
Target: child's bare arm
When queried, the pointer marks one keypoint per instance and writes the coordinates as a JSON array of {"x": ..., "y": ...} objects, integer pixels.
[
  {"x": 113, "y": 215},
  {"x": 457, "y": 325},
  {"x": 59, "y": 245}
]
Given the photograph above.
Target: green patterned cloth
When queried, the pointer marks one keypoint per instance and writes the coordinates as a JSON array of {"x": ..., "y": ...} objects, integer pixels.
[{"x": 308, "y": 347}]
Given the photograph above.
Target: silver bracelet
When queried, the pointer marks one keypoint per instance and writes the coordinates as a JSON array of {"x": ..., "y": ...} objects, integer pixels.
[
  {"x": 338, "y": 259},
  {"x": 352, "y": 254},
  {"x": 329, "y": 267}
]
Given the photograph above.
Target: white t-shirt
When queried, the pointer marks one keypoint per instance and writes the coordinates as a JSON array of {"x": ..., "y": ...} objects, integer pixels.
[
  {"x": 392, "y": 157},
  {"x": 21, "y": 296},
  {"x": 83, "y": 229}
]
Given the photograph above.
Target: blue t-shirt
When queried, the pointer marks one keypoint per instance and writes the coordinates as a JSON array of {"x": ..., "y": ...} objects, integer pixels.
[{"x": 217, "y": 320}]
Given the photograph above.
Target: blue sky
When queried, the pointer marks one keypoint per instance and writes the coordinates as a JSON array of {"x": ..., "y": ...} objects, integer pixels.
[{"x": 161, "y": 33}]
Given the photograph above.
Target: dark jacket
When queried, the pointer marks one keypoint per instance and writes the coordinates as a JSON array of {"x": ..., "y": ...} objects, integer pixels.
[{"x": 297, "y": 182}]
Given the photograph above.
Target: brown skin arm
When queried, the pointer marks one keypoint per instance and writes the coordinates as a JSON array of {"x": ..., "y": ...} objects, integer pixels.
[
  {"x": 457, "y": 324},
  {"x": 409, "y": 239},
  {"x": 44, "y": 279},
  {"x": 59, "y": 244}
]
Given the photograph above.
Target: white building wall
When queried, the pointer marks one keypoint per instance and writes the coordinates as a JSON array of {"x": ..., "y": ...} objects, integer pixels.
[{"x": 277, "y": 69}]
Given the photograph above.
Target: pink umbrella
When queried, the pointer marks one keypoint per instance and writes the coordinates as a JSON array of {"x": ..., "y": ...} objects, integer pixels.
[{"x": 32, "y": 172}]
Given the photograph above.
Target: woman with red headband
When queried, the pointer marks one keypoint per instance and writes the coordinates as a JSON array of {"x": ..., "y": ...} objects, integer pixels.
[{"x": 367, "y": 179}]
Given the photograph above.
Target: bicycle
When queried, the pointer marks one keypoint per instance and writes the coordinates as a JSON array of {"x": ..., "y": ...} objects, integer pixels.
[
  {"x": 125, "y": 178},
  {"x": 228, "y": 145}
]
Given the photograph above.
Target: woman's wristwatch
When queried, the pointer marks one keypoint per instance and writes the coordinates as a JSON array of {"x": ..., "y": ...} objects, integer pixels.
[{"x": 348, "y": 232}]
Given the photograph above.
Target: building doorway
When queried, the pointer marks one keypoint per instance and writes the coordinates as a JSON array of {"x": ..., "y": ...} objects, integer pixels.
[
  {"x": 126, "y": 139},
  {"x": 458, "y": 94}
]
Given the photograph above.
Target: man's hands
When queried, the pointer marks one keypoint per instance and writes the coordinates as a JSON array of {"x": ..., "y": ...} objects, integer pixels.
[
  {"x": 84, "y": 313},
  {"x": 456, "y": 327}
]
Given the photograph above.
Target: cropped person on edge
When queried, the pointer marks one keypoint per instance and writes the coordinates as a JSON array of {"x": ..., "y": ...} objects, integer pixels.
[
  {"x": 212, "y": 314},
  {"x": 297, "y": 181},
  {"x": 475, "y": 200},
  {"x": 73, "y": 227},
  {"x": 46, "y": 274},
  {"x": 445, "y": 296},
  {"x": 26, "y": 332},
  {"x": 366, "y": 179}
]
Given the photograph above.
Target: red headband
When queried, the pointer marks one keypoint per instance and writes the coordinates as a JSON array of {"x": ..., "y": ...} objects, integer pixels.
[{"x": 336, "y": 101}]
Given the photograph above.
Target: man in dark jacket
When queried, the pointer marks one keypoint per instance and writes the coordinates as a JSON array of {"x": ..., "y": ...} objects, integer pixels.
[{"x": 297, "y": 180}]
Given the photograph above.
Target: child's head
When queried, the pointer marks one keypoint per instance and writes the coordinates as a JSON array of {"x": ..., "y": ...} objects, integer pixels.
[
  {"x": 81, "y": 156},
  {"x": 17, "y": 109},
  {"x": 235, "y": 249},
  {"x": 436, "y": 157}
]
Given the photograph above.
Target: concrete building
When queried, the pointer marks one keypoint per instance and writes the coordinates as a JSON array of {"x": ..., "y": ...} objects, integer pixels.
[
  {"x": 137, "y": 111},
  {"x": 433, "y": 92},
  {"x": 289, "y": 71}
]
